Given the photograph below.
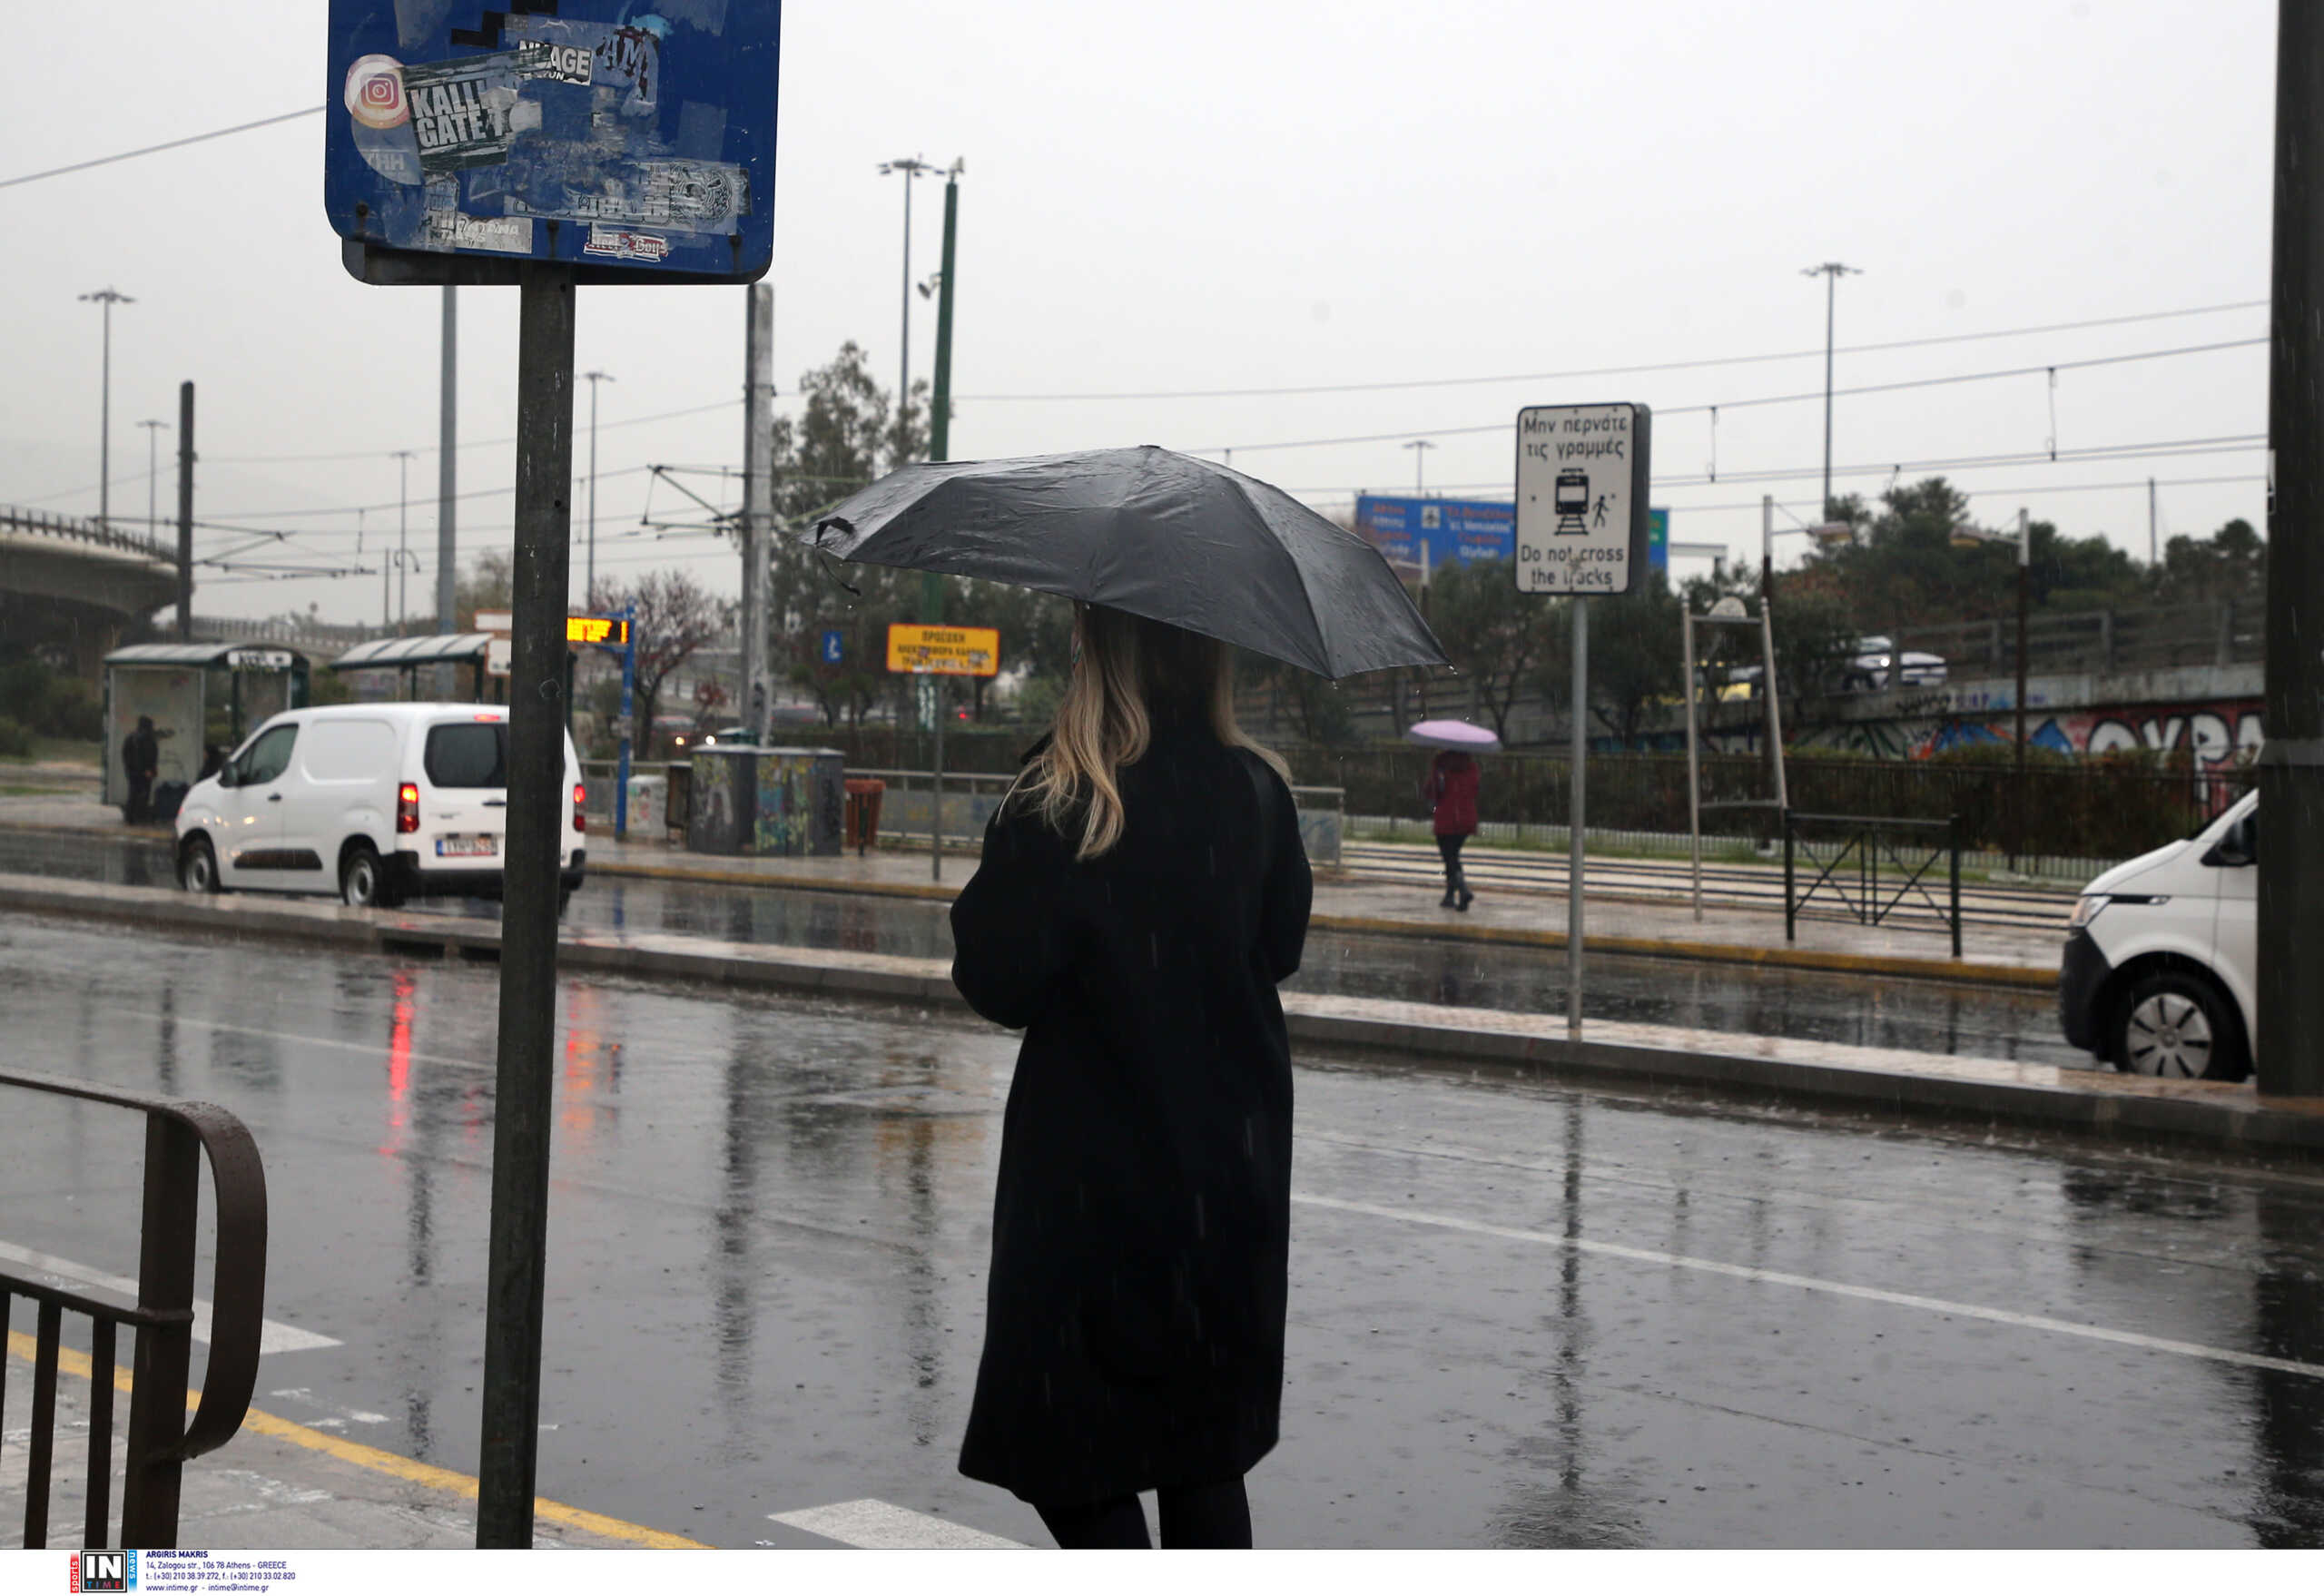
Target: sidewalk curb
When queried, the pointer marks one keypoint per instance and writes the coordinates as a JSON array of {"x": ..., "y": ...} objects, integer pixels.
[{"x": 2232, "y": 1119}]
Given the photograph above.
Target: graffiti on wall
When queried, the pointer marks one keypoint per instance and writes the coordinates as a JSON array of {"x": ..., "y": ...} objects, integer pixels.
[{"x": 2215, "y": 734}]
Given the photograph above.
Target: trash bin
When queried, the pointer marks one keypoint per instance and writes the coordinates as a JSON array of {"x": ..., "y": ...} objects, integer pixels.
[{"x": 862, "y": 827}]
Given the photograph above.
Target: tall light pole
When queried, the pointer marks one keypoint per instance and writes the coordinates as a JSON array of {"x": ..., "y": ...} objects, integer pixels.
[
  {"x": 154, "y": 429},
  {"x": 108, "y": 297},
  {"x": 1831, "y": 271},
  {"x": 1420, "y": 448},
  {"x": 911, "y": 167},
  {"x": 589, "y": 580},
  {"x": 403, "y": 458}
]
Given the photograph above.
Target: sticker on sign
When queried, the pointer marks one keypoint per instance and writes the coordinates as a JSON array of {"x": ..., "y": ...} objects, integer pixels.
[{"x": 1582, "y": 489}]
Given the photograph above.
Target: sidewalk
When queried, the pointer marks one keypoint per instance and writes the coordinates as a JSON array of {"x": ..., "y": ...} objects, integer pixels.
[
  {"x": 1624, "y": 922},
  {"x": 279, "y": 1484}
]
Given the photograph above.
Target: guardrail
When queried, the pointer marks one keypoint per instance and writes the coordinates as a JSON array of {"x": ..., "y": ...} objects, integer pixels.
[
  {"x": 160, "y": 1442},
  {"x": 47, "y": 524},
  {"x": 1864, "y": 839}
]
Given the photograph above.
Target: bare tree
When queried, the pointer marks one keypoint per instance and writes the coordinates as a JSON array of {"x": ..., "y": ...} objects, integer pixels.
[{"x": 674, "y": 616}]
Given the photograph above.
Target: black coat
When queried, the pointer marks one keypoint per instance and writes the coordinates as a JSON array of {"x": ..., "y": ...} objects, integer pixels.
[{"x": 1134, "y": 1332}]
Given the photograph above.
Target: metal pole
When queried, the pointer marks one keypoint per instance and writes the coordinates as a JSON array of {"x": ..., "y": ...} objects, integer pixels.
[
  {"x": 935, "y": 802},
  {"x": 1767, "y": 548},
  {"x": 1790, "y": 908},
  {"x": 903, "y": 336},
  {"x": 628, "y": 733},
  {"x": 939, "y": 415},
  {"x": 758, "y": 532},
  {"x": 1953, "y": 877},
  {"x": 1831, "y": 300},
  {"x": 185, "y": 512},
  {"x": 154, "y": 430},
  {"x": 1693, "y": 778},
  {"x": 106, "y": 299},
  {"x": 538, "y": 814},
  {"x": 2291, "y": 764},
  {"x": 447, "y": 472},
  {"x": 2153, "y": 557},
  {"x": 589, "y": 576},
  {"x": 403, "y": 533},
  {"x": 2024, "y": 578},
  {"x": 1577, "y": 819},
  {"x": 1775, "y": 700}
]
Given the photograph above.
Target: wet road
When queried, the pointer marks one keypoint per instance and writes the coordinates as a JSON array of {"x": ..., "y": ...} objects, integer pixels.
[
  {"x": 1931, "y": 1017},
  {"x": 1521, "y": 1314}
]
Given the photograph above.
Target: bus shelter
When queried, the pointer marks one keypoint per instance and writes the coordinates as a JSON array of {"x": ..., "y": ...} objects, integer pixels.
[
  {"x": 201, "y": 697},
  {"x": 408, "y": 656}
]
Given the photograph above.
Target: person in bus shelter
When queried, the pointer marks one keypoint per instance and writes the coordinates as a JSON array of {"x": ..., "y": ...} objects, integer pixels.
[{"x": 1141, "y": 892}]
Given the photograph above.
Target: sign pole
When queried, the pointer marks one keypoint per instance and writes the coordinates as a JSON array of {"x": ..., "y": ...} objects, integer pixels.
[
  {"x": 537, "y": 815},
  {"x": 1577, "y": 818},
  {"x": 1694, "y": 765},
  {"x": 936, "y": 809}
]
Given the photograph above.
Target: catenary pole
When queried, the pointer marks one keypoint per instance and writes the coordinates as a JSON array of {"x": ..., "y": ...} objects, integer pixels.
[
  {"x": 1577, "y": 819},
  {"x": 2024, "y": 600},
  {"x": 539, "y": 812},
  {"x": 589, "y": 576},
  {"x": 448, "y": 477},
  {"x": 2290, "y": 887},
  {"x": 185, "y": 512},
  {"x": 1831, "y": 271},
  {"x": 154, "y": 430},
  {"x": 404, "y": 456}
]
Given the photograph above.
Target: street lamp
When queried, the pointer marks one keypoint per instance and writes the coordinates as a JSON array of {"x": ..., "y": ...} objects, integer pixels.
[
  {"x": 154, "y": 429},
  {"x": 1420, "y": 448},
  {"x": 108, "y": 297},
  {"x": 403, "y": 458},
  {"x": 1967, "y": 537},
  {"x": 589, "y": 582},
  {"x": 911, "y": 167},
  {"x": 1831, "y": 271}
]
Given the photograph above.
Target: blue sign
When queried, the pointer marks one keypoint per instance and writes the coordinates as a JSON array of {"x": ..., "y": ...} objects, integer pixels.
[
  {"x": 1452, "y": 530},
  {"x": 632, "y": 138},
  {"x": 834, "y": 647},
  {"x": 1459, "y": 530}
]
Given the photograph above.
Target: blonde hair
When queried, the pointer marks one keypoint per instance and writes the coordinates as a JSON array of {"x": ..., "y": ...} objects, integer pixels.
[{"x": 1124, "y": 669}]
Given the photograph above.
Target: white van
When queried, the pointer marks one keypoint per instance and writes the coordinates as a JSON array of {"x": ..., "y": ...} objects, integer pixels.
[
  {"x": 375, "y": 802},
  {"x": 2160, "y": 971}
]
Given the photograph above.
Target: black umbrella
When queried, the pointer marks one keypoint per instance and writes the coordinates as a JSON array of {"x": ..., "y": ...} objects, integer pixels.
[{"x": 1150, "y": 533}]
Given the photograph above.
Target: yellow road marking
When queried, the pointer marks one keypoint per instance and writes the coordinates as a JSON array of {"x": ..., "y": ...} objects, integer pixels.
[{"x": 409, "y": 1470}]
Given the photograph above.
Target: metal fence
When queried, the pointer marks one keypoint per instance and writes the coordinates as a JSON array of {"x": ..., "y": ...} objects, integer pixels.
[
  {"x": 1844, "y": 853},
  {"x": 160, "y": 1441},
  {"x": 73, "y": 528}
]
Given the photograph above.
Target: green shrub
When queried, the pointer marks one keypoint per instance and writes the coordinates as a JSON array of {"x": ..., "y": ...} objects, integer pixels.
[{"x": 15, "y": 740}]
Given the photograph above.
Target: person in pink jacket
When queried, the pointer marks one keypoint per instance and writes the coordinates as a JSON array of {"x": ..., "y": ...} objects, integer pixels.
[{"x": 1451, "y": 789}]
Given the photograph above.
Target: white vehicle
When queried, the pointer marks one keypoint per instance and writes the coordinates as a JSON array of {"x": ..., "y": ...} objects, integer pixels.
[
  {"x": 2160, "y": 976},
  {"x": 1878, "y": 665},
  {"x": 375, "y": 803}
]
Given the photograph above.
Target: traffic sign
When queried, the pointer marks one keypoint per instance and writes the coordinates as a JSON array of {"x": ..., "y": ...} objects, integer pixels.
[
  {"x": 834, "y": 647},
  {"x": 944, "y": 651},
  {"x": 1581, "y": 487},
  {"x": 635, "y": 143}
]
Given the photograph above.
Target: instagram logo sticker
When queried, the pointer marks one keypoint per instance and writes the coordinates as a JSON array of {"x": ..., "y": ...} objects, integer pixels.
[{"x": 375, "y": 91}]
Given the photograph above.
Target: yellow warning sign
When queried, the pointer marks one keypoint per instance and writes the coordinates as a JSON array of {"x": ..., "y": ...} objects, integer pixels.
[{"x": 944, "y": 651}]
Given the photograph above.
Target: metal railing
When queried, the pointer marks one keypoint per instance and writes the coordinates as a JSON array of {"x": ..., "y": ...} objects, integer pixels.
[
  {"x": 48, "y": 524},
  {"x": 1865, "y": 838},
  {"x": 160, "y": 1442}
]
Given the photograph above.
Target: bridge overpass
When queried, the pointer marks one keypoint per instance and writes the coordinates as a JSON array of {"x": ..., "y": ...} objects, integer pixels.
[{"x": 63, "y": 579}]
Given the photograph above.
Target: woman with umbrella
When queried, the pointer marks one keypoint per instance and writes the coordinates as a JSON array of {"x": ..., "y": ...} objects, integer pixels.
[
  {"x": 1450, "y": 790},
  {"x": 1141, "y": 892}
]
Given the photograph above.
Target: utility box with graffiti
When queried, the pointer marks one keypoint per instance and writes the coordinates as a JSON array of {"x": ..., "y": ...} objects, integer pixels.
[{"x": 765, "y": 800}]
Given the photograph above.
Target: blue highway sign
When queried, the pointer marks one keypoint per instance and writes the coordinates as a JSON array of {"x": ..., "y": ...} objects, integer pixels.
[
  {"x": 834, "y": 650},
  {"x": 632, "y": 138}
]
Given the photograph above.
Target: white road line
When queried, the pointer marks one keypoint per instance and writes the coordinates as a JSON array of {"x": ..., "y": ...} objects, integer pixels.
[
  {"x": 378, "y": 1050},
  {"x": 340, "y": 1415},
  {"x": 1636, "y": 1254},
  {"x": 274, "y": 1337},
  {"x": 883, "y": 1526}
]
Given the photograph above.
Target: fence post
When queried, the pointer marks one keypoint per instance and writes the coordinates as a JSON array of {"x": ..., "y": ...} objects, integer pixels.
[
  {"x": 1790, "y": 905},
  {"x": 1953, "y": 845},
  {"x": 149, "y": 1495}
]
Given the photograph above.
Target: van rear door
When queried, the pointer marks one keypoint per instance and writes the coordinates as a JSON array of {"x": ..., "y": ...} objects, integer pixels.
[{"x": 464, "y": 794}]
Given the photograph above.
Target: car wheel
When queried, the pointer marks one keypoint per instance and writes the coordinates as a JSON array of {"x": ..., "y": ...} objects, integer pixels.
[
  {"x": 363, "y": 880},
  {"x": 198, "y": 866},
  {"x": 2177, "y": 1027}
]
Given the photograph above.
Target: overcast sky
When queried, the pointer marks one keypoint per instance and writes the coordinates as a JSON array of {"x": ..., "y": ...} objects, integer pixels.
[{"x": 1230, "y": 196}]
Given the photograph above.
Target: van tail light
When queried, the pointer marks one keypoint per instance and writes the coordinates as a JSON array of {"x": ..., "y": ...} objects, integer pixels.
[
  {"x": 580, "y": 822},
  {"x": 407, "y": 808}
]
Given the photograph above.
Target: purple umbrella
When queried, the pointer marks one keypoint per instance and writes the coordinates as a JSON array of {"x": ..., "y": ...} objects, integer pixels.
[{"x": 1457, "y": 734}]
